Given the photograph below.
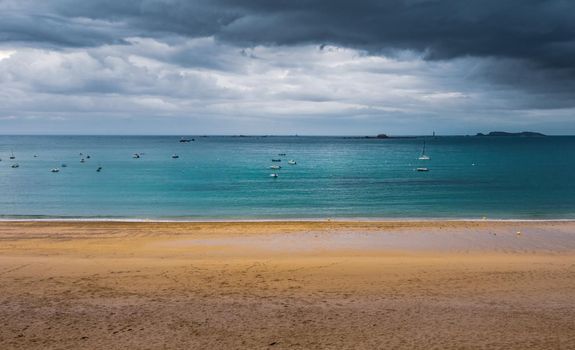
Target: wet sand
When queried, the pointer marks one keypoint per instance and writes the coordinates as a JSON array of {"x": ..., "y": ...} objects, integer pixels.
[{"x": 287, "y": 285}]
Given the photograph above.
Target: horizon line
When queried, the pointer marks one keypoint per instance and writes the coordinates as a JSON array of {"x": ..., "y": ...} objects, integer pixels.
[{"x": 275, "y": 135}]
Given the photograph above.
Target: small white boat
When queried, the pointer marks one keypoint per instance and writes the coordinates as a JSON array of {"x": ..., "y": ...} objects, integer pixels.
[
  {"x": 15, "y": 165},
  {"x": 175, "y": 156},
  {"x": 275, "y": 167},
  {"x": 281, "y": 154},
  {"x": 12, "y": 156},
  {"x": 423, "y": 156},
  {"x": 292, "y": 162},
  {"x": 422, "y": 169},
  {"x": 55, "y": 170},
  {"x": 135, "y": 156},
  {"x": 82, "y": 160},
  {"x": 274, "y": 175}
]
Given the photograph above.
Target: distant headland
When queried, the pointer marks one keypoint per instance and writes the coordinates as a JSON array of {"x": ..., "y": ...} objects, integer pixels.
[{"x": 522, "y": 134}]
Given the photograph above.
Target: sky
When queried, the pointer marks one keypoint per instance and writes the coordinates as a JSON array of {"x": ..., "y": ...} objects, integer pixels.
[{"x": 314, "y": 67}]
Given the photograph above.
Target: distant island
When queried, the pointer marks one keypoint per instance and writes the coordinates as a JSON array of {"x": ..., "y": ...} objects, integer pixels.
[
  {"x": 380, "y": 137},
  {"x": 522, "y": 134}
]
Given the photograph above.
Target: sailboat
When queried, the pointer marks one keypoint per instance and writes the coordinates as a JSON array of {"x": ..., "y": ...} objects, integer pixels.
[
  {"x": 12, "y": 155},
  {"x": 423, "y": 156}
]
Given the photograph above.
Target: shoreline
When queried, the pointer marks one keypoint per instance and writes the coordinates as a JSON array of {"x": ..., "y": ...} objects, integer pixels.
[{"x": 284, "y": 220}]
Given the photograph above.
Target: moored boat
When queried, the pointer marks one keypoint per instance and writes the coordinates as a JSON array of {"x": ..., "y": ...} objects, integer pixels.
[{"x": 423, "y": 156}]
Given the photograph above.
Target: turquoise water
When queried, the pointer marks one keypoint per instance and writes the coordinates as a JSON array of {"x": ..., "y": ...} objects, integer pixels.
[{"x": 228, "y": 178}]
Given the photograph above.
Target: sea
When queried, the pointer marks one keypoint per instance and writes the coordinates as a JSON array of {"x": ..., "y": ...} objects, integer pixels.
[{"x": 228, "y": 178}]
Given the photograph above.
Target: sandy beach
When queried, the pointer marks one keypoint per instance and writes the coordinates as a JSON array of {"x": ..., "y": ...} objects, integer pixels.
[{"x": 287, "y": 285}]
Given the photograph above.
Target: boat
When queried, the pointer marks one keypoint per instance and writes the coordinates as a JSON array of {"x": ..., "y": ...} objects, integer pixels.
[
  {"x": 281, "y": 154},
  {"x": 99, "y": 169},
  {"x": 422, "y": 169},
  {"x": 12, "y": 155},
  {"x": 183, "y": 140},
  {"x": 88, "y": 156},
  {"x": 274, "y": 175},
  {"x": 82, "y": 160},
  {"x": 276, "y": 160},
  {"x": 15, "y": 165},
  {"x": 55, "y": 170},
  {"x": 63, "y": 165},
  {"x": 175, "y": 156},
  {"x": 423, "y": 156},
  {"x": 35, "y": 156},
  {"x": 275, "y": 167},
  {"x": 135, "y": 156},
  {"x": 292, "y": 162}
]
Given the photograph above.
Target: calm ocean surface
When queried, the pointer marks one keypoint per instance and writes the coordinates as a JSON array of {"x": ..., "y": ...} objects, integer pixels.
[{"x": 228, "y": 178}]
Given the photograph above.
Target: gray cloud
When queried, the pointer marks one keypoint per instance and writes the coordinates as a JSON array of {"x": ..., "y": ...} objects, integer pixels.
[
  {"x": 535, "y": 30},
  {"x": 365, "y": 63}
]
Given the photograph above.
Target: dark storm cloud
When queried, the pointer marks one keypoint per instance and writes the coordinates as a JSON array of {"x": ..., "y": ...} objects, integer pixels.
[
  {"x": 536, "y": 30},
  {"x": 540, "y": 31}
]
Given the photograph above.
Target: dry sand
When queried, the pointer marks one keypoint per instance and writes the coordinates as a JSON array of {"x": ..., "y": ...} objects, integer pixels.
[{"x": 287, "y": 285}]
